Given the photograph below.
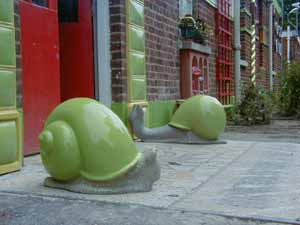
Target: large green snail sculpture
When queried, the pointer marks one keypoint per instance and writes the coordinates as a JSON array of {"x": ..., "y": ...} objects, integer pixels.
[
  {"x": 201, "y": 119},
  {"x": 86, "y": 148}
]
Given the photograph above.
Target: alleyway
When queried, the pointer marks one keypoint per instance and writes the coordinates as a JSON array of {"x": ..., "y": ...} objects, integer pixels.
[
  {"x": 278, "y": 131},
  {"x": 156, "y": 55},
  {"x": 242, "y": 182}
]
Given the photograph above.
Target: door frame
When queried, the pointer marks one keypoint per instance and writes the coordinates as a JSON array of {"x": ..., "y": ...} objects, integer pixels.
[{"x": 102, "y": 54}]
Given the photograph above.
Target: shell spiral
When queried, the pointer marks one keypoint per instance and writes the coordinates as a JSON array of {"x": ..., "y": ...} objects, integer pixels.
[{"x": 84, "y": 138}]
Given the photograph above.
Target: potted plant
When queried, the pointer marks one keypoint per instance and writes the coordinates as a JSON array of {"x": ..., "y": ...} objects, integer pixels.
[
  {"x": 187, "y": 26},
  {"x": 197, "y": 30},
  {"x": 203, "y": 32}
]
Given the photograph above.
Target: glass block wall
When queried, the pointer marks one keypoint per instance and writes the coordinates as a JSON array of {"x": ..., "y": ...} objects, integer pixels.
[
  {"x": 10, "y": 122},
  {"x": 136, "y": 67}
]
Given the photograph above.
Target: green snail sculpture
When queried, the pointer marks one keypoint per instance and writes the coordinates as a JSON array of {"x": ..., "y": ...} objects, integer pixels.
[
  {"x": 86, "y": 148},
  {"x": 201, "y": 119}
]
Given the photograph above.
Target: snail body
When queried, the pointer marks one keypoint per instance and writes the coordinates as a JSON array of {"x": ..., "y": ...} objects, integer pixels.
[{"x": 83, "y": 139}]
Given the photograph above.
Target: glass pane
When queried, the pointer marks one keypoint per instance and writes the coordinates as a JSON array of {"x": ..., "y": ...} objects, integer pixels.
[
  {"x": 185, "y": 7},
  {"x": 43, "y": 3}
]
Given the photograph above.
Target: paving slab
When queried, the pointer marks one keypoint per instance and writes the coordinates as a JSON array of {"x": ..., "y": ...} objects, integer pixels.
[
  {"x": 264, "y": 182},
  {"x": 183, "y": 168},
  {"x": 277, "y": 131},
  {"x": 244, "y": 179},
  {"x": 33, "y": 210}
]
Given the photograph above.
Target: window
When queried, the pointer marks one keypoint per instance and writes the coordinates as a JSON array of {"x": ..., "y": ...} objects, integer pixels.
[
  {"x": 185, "y": 7},
  {"x": 43, "y": 3}
]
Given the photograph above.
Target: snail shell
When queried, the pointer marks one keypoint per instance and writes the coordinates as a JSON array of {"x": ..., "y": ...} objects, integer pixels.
[
  {"x": 203, "y": 115},
  {"x": 83, "y": 138}
]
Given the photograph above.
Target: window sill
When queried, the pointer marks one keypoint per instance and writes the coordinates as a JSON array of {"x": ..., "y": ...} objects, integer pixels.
[{"x": 186, "y": 44}]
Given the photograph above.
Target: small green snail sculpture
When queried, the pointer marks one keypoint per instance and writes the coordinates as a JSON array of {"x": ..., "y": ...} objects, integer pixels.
[
  {"x": 199, "y": 120},
  {"x": 86, "y": 148}
]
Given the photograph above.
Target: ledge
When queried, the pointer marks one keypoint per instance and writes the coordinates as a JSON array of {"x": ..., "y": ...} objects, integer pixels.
[
  {"x": 245, "y": 10},
  {"x": 265, "y": 43},
  {"x": 195, "y": 46},
  {"x": 244, "y": 63},
  {"x": 212, "y": 3},
  {"x": 246, "y": 30}
]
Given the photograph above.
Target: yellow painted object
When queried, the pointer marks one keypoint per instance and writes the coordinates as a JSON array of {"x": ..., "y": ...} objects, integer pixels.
[
  {"x": 11, "y": 137},
  {"x": 10, "y": 120}
]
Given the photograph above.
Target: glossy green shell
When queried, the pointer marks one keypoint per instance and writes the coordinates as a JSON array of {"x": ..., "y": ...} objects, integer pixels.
[
  {"x": 84, "y": 138},
  {"x": 203, "y": 115}
]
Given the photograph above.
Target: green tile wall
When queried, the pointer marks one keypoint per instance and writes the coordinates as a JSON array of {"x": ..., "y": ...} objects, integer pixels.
[
  {"x": 7, "y": 88},
  {"x": 159, "y": 113},
  {"x": 136, "y": 51},
  {"x": 136, "y": 39},
  {"x": 7, "y": 11},
  {"x": 8, "y": 141},
  {"x": 7, "y": 47},
  {"x": 136, "y": 12},
  {"x": 10, "y": 121},
  {"x": 136, "y": 64},
  {"x": 138, "y": 89}
]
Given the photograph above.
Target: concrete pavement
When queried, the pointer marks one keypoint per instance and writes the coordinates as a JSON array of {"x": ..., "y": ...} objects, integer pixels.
[
  {"x": 278, "y": 131},
  {"x": 206, "y": 184},
  {"x": 34, "y": 210}
]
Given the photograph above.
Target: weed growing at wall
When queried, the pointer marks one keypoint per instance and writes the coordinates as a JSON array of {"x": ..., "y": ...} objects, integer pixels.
[
  {"x": 256, "y": 107},
  {"x": 289, "y": 91}
]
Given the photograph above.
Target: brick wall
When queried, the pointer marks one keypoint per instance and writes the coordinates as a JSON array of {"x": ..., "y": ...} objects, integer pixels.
[
  {"x": 249, "y": 14},
  {"x": 162, "y": 53},
  {"x": 277, "y": 58},
  {"x": 162, "y": 46},
  {"x": 118, "y": 50},
  {"x": 19, "y": 57},
  {"x": 262, "y": 45},
  {"x": 263, "y": 54},
  {"x": 262, "y": 64},
  {"x": 245, "y": 20},
  {"x": 294, "y": 50}
]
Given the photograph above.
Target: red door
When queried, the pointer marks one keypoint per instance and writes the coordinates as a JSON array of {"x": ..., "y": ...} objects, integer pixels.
[
  {"x": 40, "y": 62},
  {"x": 76, "y": 48}
]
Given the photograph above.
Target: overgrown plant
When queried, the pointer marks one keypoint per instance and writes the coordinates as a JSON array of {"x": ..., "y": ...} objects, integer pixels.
[
  {"x": 255, "y": 107},
  {"x": 196, "y": 30},
  {"x": 289, "y": 91}
]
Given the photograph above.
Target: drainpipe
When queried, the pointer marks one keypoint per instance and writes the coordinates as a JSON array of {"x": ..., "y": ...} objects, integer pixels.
[
  {"x": 237, "y": 50},
  {"x": 282, "y": 39},
  {"x": 102, "y": 51},
  {"x": 288, "y": 43},
  {"x": 271, "y": 43}
]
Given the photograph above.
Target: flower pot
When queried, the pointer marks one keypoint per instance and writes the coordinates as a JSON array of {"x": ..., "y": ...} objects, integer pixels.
[{"x": 187, "y": 32}]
